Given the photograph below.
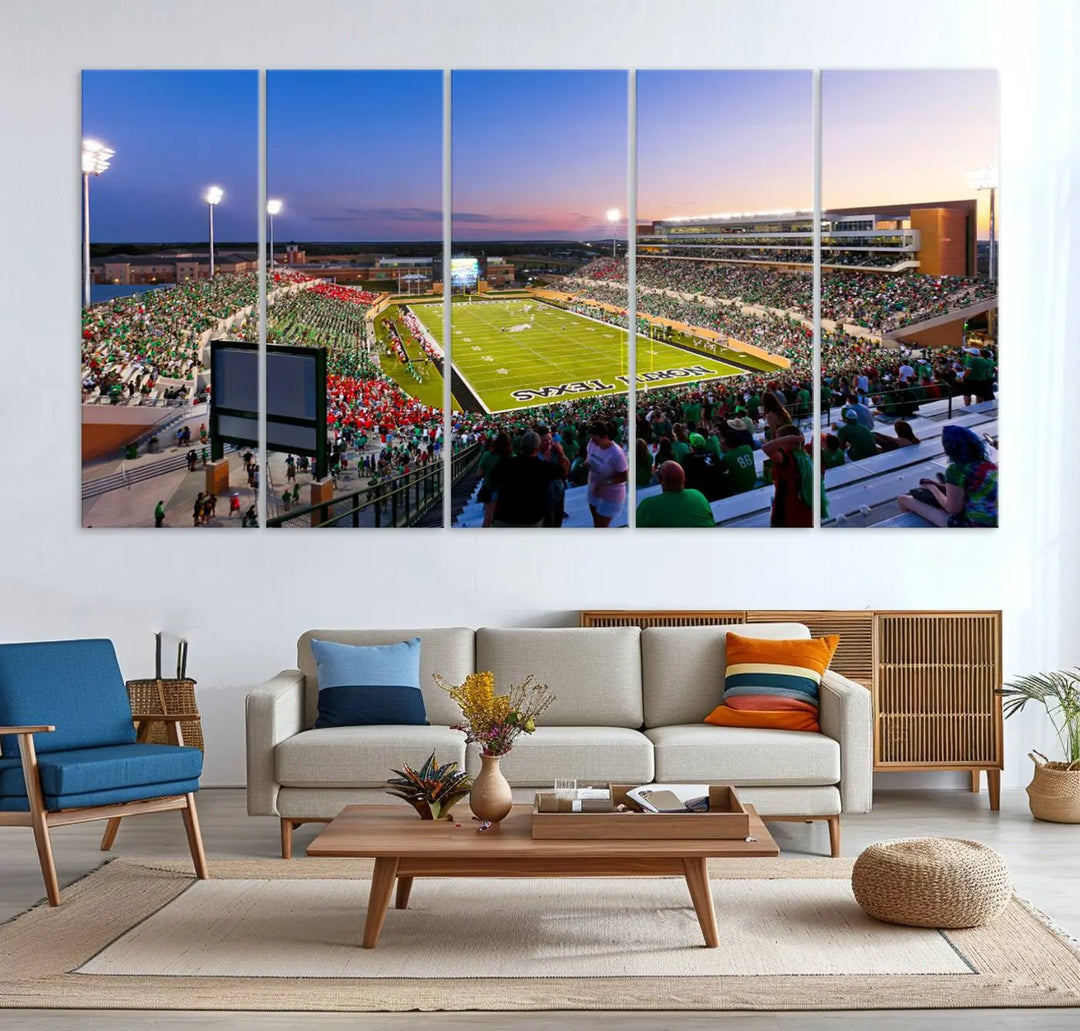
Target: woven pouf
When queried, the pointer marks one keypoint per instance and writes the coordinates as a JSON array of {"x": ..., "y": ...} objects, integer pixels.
[{"x": 932, "y": 882}]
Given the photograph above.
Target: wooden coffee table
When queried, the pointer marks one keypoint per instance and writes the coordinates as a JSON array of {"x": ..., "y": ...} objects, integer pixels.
[{"x": 404, "y": 846}]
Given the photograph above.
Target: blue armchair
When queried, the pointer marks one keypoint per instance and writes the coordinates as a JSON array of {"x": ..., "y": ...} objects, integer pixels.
[{"x": 69, "y": 754}]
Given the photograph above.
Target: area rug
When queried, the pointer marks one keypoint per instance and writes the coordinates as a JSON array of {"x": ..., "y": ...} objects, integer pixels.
[{"x": 274, "y": 935}]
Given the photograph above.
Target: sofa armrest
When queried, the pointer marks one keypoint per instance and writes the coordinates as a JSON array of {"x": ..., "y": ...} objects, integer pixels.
[
  {"x": 845, "y": 715},
  {"x": 273, "y": 712}
]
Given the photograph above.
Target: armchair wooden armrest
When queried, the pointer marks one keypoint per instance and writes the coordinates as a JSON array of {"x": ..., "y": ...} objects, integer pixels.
[{"x": 43, "y": 729}]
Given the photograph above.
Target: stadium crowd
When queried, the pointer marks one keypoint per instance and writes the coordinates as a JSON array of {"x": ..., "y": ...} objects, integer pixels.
[
  {"x": 876, "y": 301},
  {"x": 129, "y": 343}
]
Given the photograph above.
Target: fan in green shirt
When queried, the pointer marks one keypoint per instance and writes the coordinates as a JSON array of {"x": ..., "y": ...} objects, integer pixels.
[
  {"x": 737, "y": 472},
  {"x": 858, "y": 440},
  {"x": 675, "y": 506}
]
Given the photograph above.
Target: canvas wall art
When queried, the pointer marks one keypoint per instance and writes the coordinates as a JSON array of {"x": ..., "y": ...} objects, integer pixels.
[
  {"x": 724, "y": 279},
  {"x": 909, "y": 298},
  {"x": 544, "y": 299},
  {"x": 541, "y": 366},
  {"x": 354, "y": 187},
  {"x": 170, "y": 227}
]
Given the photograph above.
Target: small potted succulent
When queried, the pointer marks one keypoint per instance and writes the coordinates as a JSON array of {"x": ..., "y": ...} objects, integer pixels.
[
  {"x": 1054, "y": 794},
  {"x": 433, "y": 790}
]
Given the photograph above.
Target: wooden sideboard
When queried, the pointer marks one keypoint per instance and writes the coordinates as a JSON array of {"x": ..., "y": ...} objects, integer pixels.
[{"x": 933, "y": 675}]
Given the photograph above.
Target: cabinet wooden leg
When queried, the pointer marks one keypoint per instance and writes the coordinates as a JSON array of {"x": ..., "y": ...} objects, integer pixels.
[
  {"x": 975, "y": 781},
  {"x": 993, "y": 788}
]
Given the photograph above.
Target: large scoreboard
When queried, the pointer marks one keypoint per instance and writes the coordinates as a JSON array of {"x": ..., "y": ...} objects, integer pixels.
[{"x": 465, "y": 273}]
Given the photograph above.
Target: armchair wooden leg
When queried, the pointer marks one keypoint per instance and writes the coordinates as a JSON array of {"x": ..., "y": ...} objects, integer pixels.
[
  {"x": 45, "y": 858},
  {"x": 191, "y": 825},
  {"x": 286, "y": 838},
  {"x": 109, "y": 836},
  {"x": 39, "y": 817},
  {"x": 834, "y": 836}
]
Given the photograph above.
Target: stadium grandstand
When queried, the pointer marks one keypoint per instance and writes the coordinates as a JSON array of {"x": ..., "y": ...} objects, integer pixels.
[{"x": 936, "y": 238}]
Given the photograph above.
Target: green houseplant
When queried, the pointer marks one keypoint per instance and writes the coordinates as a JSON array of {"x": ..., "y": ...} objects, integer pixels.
[
  {"x": 433, "y": 790},
  {"x": 1054, "y": 793}
]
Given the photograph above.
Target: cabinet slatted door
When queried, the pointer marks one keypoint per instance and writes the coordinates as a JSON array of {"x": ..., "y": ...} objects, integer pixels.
[
  {"x": 654, "y": 617},
  {"x": 934, "y": 700},
  {"x": 854, "y": 657}
]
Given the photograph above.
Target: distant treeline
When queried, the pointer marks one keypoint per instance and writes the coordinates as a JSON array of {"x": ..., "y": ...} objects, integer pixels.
[{"x": 567, "y": 249}]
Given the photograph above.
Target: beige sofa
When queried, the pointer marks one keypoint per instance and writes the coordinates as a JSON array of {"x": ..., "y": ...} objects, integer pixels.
[{"x": 629, "y": 707}]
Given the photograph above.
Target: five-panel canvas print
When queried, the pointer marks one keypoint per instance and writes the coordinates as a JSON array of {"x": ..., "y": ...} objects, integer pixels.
[{"x": 671, "y": 299}]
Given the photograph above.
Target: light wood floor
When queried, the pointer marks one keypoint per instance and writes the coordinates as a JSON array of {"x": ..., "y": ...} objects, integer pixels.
[{"x": 1044, "y": 859}]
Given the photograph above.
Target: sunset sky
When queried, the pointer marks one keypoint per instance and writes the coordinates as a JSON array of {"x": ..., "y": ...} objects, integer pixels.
[{"x": 536, "y": 154}]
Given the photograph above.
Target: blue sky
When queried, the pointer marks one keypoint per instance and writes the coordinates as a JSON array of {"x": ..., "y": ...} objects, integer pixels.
[
  {"x": 538, "y": 154},
  {"x": 175, "y": 134},
  {"x": 355, "y": 155}
]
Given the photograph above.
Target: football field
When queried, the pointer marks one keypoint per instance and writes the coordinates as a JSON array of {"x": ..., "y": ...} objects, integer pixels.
[{"x": 519, "y": 353}]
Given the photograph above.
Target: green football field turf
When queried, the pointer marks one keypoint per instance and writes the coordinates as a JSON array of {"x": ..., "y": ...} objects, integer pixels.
[{"x": 519, "y": 353}]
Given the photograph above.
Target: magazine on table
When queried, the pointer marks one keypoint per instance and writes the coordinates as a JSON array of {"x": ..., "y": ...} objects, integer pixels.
[{"x": 671, "y": 798}]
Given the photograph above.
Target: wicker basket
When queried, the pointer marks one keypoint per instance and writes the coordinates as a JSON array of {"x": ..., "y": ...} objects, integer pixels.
[
  {"x": 1054, "y": 793},
  {"x": 163, "y": 698},
  {"x": 932, "y": 882}
]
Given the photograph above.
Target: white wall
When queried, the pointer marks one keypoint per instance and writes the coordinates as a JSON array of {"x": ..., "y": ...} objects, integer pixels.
[{"x": 243, "y": 598}]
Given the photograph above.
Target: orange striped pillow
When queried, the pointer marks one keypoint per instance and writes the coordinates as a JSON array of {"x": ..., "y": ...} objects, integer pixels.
[{"x": 773, "y": 684}]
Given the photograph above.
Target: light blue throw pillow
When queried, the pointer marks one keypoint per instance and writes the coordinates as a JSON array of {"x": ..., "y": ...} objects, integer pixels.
[{"x": 361, "y": 685}]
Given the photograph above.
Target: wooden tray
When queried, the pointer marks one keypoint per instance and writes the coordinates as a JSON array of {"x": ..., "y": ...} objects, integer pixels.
[{"x": 726, "y": 818}]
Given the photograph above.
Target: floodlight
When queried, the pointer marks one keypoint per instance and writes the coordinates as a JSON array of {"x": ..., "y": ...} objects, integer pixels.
[{"x": 95, "y": 157}]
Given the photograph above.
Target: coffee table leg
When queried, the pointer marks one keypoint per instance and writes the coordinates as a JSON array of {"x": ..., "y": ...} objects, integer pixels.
[
  {"x": 382, "y": 884},
  {"x": 404, "y": 887},
  {"x": 697, "y": 880}
]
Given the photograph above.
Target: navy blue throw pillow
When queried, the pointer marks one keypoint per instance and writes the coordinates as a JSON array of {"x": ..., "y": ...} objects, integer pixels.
[{"x": 361, "y": 685}]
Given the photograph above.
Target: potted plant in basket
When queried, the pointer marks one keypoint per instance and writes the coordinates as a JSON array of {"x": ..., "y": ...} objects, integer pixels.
[
  {"x": 1054, "y": 793},
  {"x": 493, "y": 722}
]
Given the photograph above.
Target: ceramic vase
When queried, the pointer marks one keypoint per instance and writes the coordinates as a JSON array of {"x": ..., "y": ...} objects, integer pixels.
[{"x": 490, "y": 797}]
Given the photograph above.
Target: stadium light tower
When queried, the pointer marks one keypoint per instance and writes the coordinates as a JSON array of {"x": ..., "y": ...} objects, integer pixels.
[
  {"x": 213, "y": 198},
  {"x": 613, "y": 217},
  {"x": 273, "y": 207},
  {"x": 95, "y": 159},
  {"x": 986, "y": 179}
]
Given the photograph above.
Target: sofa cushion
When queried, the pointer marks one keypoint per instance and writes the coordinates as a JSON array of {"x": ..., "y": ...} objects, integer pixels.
[
  {"x": 773, "y": 684},
  {"x": 683, "y": 667},
  {"x": 74, "y": 685},
  {"x": 447, "y": 651},
  {"x": 701, "y": 752},
  {"x": 594, "y": 673},
  {"x": 581, "y": 753},
  {"x": 364, "y": 684},
  {"x": 362, "y": 756}
]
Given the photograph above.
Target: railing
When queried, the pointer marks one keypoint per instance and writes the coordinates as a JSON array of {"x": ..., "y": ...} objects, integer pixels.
[
  {"x": 400, "y": 501},
  {"x": 898, "y": 398},
  {"x": 136, "y": 402}
]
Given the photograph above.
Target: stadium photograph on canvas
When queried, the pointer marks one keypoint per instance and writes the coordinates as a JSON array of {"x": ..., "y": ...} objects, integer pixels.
[
  {"x": 724, "y": 279},
  {"x": 909, "y": 298},
  {"x": 540, "y": 367},
  {"x": 354, "y": 187},
  {"x": 170, "y": 229}
]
